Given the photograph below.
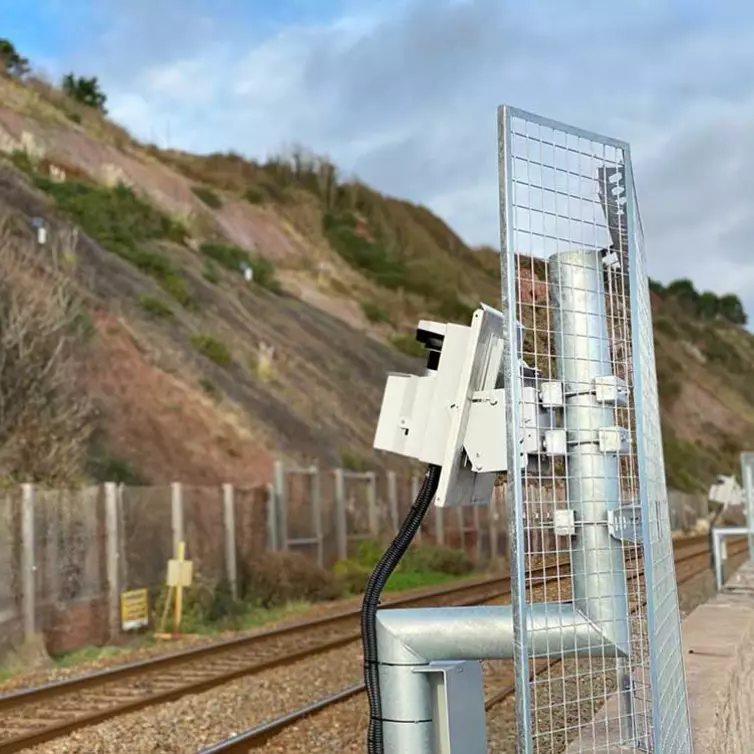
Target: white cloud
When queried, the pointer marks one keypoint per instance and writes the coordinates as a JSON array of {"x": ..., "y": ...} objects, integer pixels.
[{"x": 405, "y": 95}]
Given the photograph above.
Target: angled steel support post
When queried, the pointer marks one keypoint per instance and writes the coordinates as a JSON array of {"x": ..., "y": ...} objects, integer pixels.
[{"x": 410, "y": 641}]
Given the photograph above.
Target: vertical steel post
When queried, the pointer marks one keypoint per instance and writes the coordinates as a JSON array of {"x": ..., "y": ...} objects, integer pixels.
[
  {"x": 593, "y": 477},
  {"x": 747, "y": 479}
]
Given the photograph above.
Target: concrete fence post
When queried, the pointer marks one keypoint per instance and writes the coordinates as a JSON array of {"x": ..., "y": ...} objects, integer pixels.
[
  {"x": 281, "y": 505},
  {"x": 415, "y": 487},
  {"x": 341, "y": 531},
  {"x": 477, "y": 534},
  {"x": 112, "y": 558},
  {"x": 316, "y": 496},
  {"x": 372, "y": 510},
  {"x": 392, "y": 501},
  {"x": 176, "y": 515},
  {"x": 121, "y": 516},
  {"x": 229, "y": 521},
  {"x": 272, "y": 519},
  {"x": 440, "y": 526},
  {"x": 28, "y": 564}
]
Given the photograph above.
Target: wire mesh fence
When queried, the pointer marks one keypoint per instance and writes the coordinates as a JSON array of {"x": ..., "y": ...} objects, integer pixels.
[
  {"x": 592, "y": 491},
  {"x": 57, "y": 544}
]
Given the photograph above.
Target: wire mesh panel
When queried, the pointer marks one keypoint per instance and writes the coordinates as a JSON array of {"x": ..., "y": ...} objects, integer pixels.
[
  {"x": 204, "y": 527},
  {"x": 10, "y": 560},
  {"x": 598, "y": 653},
  {"x": 146, "y": 532},
  {"x": 68, "y": 546}
]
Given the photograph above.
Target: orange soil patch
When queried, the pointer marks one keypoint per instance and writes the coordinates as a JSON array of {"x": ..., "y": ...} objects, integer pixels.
[{"x": 168, "y": 430}]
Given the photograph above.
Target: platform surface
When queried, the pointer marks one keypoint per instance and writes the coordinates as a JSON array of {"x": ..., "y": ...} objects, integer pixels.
[{"x": 718, "y": 643}]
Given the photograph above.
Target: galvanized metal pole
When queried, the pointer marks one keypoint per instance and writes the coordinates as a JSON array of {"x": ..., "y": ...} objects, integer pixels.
[
  {"x": 747, "y": 478},
  {"x": 593, "y": 477}
]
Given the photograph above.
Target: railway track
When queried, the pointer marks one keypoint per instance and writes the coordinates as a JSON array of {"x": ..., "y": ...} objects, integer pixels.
[
  {"x": 691, "y": 560},
  {"x": 39, "y": 714}
]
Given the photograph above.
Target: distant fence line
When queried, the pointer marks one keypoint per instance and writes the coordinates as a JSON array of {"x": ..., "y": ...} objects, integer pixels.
[{"x": 66, "y": 555}]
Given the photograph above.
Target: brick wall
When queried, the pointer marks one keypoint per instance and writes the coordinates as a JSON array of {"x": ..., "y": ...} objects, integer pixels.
[{"x": 76, "y": 625}]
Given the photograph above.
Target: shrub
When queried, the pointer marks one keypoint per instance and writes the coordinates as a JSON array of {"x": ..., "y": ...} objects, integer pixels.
[
  {"x": 87, "y": 91},
  {"x": 351, "y": 575},
  {"x": 214, "y": 349},
  {"x": 366, "y": 254},
  {"x": 11, "y": 62},
  {"x": 374, "y": 313},
  {"x": 208, "y": 196},
  {"x": 233, "y": 258},
  {"x": 47, "y": 420},
  {"x": 409, "y": 345},
  {"x": 254, "y": 195},
  {"x": 123, "y": 223},
  {"x": 155, "y": 307},
  {"x": 437, "y": 559},
  {"x": 210, "y": 388},
  {"x": 276, "y": 578},
  {"x": 210, "y": 273},
  {"x": 105, "y": 467},
  {"x": 221, "y": 604},
  {"x": 264, "y": 274},
  {"x": 353, "y": 461},
  {"x": 226, "y": 255}
]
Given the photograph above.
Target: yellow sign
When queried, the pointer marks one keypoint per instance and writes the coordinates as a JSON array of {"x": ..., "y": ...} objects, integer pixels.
[
  {"x": 180, "y": 572},
  {"x": 134, "y": 609}
]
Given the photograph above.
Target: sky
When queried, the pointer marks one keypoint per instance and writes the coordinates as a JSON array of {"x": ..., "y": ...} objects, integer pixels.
[{"x": 404, "y": 93}]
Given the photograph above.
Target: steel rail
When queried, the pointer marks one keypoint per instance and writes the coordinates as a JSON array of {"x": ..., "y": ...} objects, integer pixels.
[
  {"x": 258, "y": 736},
  {"x": 482, "y": 589}
]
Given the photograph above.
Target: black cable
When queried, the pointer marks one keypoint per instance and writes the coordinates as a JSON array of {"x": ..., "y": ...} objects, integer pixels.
[{"x": 371, "y": 603}]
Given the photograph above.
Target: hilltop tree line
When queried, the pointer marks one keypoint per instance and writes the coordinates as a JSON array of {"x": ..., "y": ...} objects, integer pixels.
[
  {"x": 86, "y": 91},
  {"x": 706, "y": 305}
]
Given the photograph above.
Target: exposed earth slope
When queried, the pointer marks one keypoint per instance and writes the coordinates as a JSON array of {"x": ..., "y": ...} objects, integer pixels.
[{"x": 201, "y": 375}]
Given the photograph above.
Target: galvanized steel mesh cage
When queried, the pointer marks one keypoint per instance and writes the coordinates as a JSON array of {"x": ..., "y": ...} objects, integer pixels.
[{"x": 589, "y": 510}]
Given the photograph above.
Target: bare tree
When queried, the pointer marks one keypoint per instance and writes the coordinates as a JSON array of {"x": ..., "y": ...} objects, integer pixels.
[{"x": 45, "y": 419}]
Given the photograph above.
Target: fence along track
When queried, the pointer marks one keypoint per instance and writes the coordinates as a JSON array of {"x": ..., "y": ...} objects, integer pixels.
[
  {"x": 689, "y": 549},
  {"x": 86, "y": 700}
]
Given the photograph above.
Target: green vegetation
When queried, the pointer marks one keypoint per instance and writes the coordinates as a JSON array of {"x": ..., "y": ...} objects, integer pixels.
[
  {"x": 124, "y": 224},
  {"x": 423, "y": 565},
  {"x": 353, "y": 461},
  {"x": 214, "y": 349},
  {"x": 210, "y": 273},
  {"x": 86, "y": 91},
  {"x": 103, "y": 466},
  {"x": 374, "y": 313},
  {"x": 254, "y": 195},
  {"x": 155, "y": 307},
  {"x": 208, "y": 196},
  {"x": 210, "y": 388},
  {"x": 233, "y": 258},
  {"x": 407, "y": 343},
  {"x": 11, "y": 62},
  {"x": 705, "y": 305}
]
